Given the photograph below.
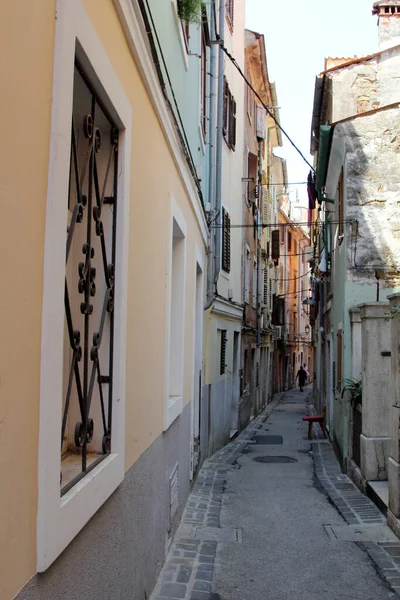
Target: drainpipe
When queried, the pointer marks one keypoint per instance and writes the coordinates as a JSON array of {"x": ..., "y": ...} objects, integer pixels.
[
  {"x": 212, "y": 140},
  {"x": 220, "y": 116},
  {"x": 260, "y": 212}
]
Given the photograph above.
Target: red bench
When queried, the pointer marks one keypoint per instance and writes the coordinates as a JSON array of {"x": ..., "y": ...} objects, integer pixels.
[{"x": 321, "y": 419}]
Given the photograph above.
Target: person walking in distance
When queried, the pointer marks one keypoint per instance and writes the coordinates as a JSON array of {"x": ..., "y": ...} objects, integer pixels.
[{"x": 302, "y": 376}]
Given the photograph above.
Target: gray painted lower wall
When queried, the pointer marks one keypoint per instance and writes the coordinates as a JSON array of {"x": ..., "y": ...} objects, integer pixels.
[
  {"x": 120, "y": 552},
  {"x": 220, "y": 410}
]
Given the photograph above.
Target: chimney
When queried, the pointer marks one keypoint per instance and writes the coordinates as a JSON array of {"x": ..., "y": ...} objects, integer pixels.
[{"x": 388, "y": 12}]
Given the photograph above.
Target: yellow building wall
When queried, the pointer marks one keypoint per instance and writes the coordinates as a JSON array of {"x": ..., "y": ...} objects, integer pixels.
[
  {"x": 27, "y": 34},
  {"x": 153, "y": 177},
  {"x": 26, "y": 80}
]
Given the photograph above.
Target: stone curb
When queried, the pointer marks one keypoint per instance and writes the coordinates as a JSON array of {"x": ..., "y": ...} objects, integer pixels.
[{"x": 356, "y": 509}]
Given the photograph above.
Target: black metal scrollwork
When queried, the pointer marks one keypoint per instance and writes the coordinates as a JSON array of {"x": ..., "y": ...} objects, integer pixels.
[{"x": 86, "y": 200}]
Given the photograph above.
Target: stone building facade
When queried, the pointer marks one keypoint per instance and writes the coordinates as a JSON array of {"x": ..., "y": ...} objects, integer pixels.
[{"x": 356, "y": 118}]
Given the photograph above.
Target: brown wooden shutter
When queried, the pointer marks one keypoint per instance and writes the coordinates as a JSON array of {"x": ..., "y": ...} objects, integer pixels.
[
  {"x": 226, "y": 241},
  {"x": 278, "y": 311},
  {"x": 265, "y": 207},
  {"x": 274, "y": 309},
  {"x": 265, "y": 299},
  {"x": 275, "y": 245},
  {"x": 232, "y": 127},
  {"x": 225, "y": 115}
]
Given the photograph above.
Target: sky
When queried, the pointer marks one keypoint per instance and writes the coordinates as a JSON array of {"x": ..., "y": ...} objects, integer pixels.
[{"x": 298, "y": 37}]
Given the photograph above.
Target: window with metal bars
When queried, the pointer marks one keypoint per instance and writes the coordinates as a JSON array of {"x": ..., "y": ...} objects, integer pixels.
[
  {"x": 224, "y": 340},
  {"x": 226, "y": 241},
  {"x": 229, "y": 117},
  {"x": 89, "y": 294}
]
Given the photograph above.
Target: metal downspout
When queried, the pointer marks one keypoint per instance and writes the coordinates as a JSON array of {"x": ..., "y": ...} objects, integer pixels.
[
  {"x": 212, "y": 143},
  {"x": 260, "y": 213},
  {"x": 220, "y": 116}
]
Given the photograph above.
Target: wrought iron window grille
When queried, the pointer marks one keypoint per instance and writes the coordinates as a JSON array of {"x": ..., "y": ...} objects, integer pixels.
[{"x": 89, "y": 286}]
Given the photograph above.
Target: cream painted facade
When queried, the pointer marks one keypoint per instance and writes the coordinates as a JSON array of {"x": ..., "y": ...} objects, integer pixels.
[
  {"x": 152, "y": 424},
  {"x": 224, "y": 315}
]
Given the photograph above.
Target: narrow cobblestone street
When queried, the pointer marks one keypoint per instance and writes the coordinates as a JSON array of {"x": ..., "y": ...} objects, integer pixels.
[{"x": 271, "y": 517}]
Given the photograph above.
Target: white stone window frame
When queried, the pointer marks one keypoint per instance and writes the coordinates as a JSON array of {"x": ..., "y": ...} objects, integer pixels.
[
  {"x": 59, "y": 519},
  {"x": 173, "y": 405}
]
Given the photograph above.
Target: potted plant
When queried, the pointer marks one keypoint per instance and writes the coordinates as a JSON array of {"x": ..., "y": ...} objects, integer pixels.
[
  {"x": 354, "y": 387},
  {"x": 190, "y": 11}
]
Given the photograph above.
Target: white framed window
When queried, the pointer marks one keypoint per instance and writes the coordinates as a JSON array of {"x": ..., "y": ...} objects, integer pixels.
[
  {"x": 176, "y": 286},
  {"x": 61, "y": 517}
]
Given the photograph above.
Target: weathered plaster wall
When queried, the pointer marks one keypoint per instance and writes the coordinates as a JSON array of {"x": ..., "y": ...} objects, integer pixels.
[
  {"x": 364, "y": 86},
  {"x": 389, "y": 30},
  {"x": 373, "y": 192}
]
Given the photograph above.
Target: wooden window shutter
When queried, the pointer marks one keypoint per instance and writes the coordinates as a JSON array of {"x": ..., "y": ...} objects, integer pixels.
[
  {"x": 232, "y": 125},
  {"x": 223, "y": 352},
  {"x": 225, "y": 115},
  {"x": 275, "y": 245},
  {"x": 265, "y": 206},
  {"x": 278, "y": 311},
  {"x": 281, "y": 311},
  {"x": 226, "y": 241},
  {"x": 265, "y": 298},
  {"x": 275, "y": 309},
  {"x": 270, "y": 296}
]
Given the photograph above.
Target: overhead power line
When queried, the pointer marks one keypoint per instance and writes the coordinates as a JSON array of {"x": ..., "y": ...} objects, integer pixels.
[
  {"x": 235, "y": 63},
  {"x": 178, "y": 119},
  {"x": 294, "y": 278},
  {"x": 291, "y": 224}
]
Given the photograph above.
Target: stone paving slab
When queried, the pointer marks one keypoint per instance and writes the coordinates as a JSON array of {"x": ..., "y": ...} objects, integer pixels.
[
  {"x": 359, "y": 511},
  {"x": 188, "y": 571}
]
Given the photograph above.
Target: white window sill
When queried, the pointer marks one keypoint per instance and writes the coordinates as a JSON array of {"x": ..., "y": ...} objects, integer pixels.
[
  {"x": 224, "y": 274},
  {"x": 173, "y": 409},
  {"x": 62, "y": 519}
]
